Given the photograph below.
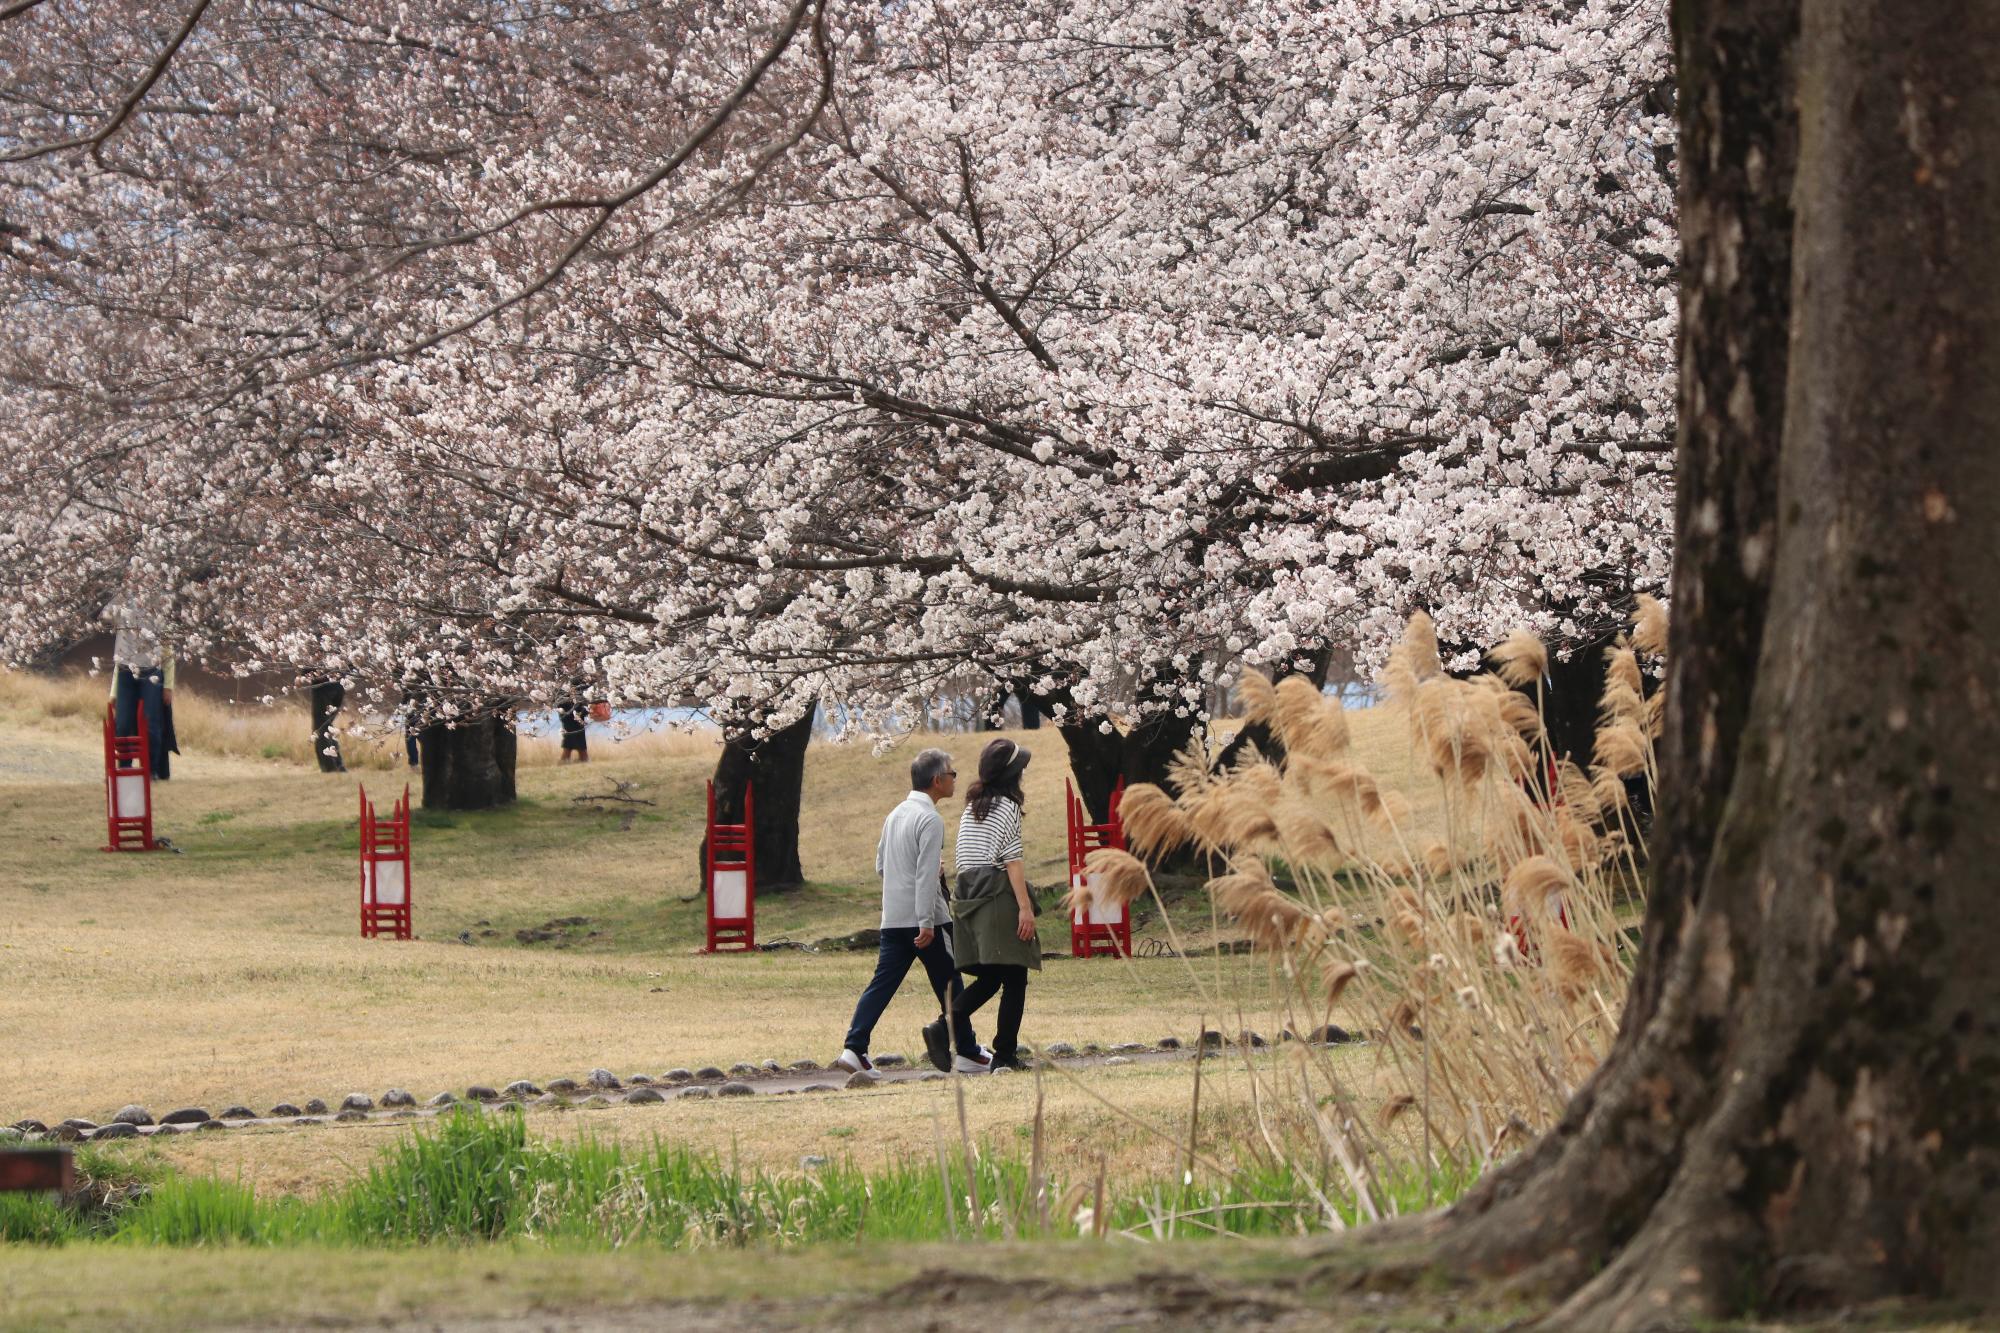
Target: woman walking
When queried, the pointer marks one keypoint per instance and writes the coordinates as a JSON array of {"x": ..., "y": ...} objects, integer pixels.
[{"x": 993, "y": 913}]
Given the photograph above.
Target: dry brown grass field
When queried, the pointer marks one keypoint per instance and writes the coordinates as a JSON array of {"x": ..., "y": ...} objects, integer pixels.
[{"x": 233, "y": 971}]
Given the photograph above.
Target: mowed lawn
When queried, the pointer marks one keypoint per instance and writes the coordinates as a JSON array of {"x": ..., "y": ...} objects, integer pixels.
[{"x": 234, "y": 972}]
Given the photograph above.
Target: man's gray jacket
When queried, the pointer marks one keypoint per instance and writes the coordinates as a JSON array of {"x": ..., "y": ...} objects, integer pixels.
[{"x": 910, "y": 859}]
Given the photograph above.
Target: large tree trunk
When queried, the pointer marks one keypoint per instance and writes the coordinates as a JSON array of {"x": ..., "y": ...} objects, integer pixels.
[
  {"x": 776, "y": 764},
  {"x": 1803, "y": 1105},
  {"x": 469, "y": 764},
  {"x": 326, "y": 699}
]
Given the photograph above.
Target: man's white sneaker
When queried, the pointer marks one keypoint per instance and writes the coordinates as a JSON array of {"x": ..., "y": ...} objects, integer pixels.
[
  {"x": 855, "y": 1063},
  {"x": 969, "y": 1064}
]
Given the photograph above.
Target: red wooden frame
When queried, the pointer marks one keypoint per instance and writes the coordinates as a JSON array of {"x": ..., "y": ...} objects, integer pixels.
[
  {"x": 125, "y": 756},
  {"x": 1087, "y": 938},
  {"x": 731, "y": 847},
  {"x": 32, "y": 1170},
  {"x": 385, "y": 842}
]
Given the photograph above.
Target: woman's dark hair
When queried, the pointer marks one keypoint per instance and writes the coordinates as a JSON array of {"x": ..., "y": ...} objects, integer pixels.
[{"x": 1001, "y": 764}]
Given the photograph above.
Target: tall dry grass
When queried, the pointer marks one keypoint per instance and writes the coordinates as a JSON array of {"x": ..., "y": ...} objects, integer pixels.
[{"x": 1485, "y": 959}]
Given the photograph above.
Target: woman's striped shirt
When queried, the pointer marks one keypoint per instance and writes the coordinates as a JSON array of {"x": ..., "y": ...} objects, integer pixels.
[{"x": 992, "y": 841}]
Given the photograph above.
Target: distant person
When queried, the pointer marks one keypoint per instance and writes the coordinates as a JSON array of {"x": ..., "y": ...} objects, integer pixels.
[
  {"x": 142, "y": 674},
  {"x": 916, "y": 923},
  {"x": 574, "y": 714},
  {"x": 993, "y": 913}
]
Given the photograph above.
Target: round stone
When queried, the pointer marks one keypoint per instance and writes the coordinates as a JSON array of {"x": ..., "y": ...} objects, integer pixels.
[
  {"x": 819, "y": 1087},
  {"x": 187, "y": 1115},
  {"x": 736, "y": 1090},
  {"x": 211, "y": 1124},
  {"x": 552, "y": 1099},
  {"x": 1330, "y": 1035},
  {"x": 404, "y": 1114},
  {"x": 442, "y": 1099},
  {"x": 771, "y": 1066},
  {"x": 316, "y": 1107},
  {"x": 284, "y": 1109},
  {"x": 811, "y": 1162},
  {"x": 677, "y": 1076},
  {"x": 31, "y": 1127},
  {"x": 890, "y": 1061},
  {"x": 640, "y": 1080},
  {"x": 932, "y": 1077},
  {"x": 237, "y": 1113},
  {"x": 604, "y": 1080},
  {"x": 71, "y": 1134},
  {"x": 357, "y": 1101},
  {"x": 1168, "y": 1043},
  {"x": 115, "y": 1131},
  {"x": 77, "y": 1122},
  {"x": 740, "y": 1070},
  {"x": 9, "y": 1134},
  {"x": 398, "y": 1097},
  {"x": 308, "y": 1120},
  {"x": 349, "y": 1115},
  {"x": 563, "y": 1085},
  {"x": 1059, "y": 1048},
  {"x": 595, "y": 1103},
  {"x": 805, "y": 1066},
  {"x": 710, "y": 1074},
  {"x": 521, "y": 1087},
  {"x": 644, "y": 1096},
  {"x": 1129, "y": 1048},
  {"x": 700, "y": 1092},
  {"x": 1248, "y": 1038},
  {"x": 1212, "y": 1039},
  {"x": 1109, "y": 1060},
  {"x": 132, "y": 1115},
  {"x": 860, "y": 1078},
  {"x": 479, "y": 1092}
]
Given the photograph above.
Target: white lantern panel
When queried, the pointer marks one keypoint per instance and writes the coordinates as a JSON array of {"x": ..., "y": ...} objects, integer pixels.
[
  {"x": 732, "y": 893},
  {"x": 392, "y": 888},
  {"x": 1079, "y": 884},
  {"x": 130, "y": 789}
]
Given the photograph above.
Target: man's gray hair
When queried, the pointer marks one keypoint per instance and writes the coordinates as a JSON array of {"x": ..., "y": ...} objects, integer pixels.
[{"x": 927, "y": 768}]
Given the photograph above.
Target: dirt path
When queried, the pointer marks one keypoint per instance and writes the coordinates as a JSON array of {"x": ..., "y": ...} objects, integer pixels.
[{"x": 47, "y": 754}]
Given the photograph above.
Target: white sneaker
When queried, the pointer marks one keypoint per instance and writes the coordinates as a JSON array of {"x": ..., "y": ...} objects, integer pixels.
[
  {"x": 856, "y": 1063},
  {"x": 970, "y": 1064}
]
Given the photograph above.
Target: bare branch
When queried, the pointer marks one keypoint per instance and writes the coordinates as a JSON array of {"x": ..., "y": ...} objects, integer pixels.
[{"x": 95, "y": 142}]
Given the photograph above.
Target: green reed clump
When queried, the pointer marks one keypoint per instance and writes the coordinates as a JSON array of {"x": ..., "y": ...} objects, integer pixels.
[{"x": 480, "y": 1177}]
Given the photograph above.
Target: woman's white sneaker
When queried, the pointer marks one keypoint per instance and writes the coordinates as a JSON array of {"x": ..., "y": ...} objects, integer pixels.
[{"x": 856, "y": 1063}]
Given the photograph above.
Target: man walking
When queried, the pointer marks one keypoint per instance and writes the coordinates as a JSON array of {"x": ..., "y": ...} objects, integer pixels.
[{"x": 916, "y": 919}]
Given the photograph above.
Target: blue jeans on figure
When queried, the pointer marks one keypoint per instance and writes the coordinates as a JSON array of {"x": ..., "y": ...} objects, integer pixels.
[
  {"x": 146, "y": 687},
  {"x": 899, "y": 949}
]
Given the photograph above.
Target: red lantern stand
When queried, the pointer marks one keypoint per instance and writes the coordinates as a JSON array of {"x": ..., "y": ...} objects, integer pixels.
[
  {"x": 729, "y": 874},
  {"x": 385, "y": 870},
  {"x": 1095, "y": 928},
  {"x": 128, "y": 786}
]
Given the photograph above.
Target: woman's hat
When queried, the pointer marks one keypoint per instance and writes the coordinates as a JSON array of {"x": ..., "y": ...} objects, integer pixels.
[{"x": 1002, "y": 761}]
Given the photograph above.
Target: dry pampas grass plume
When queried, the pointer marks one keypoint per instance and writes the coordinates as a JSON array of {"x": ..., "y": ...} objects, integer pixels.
[
  {"x": 1421, "y": 638},
  {"x": 1307, "y": 839},
  {"x": 1574, "y": 963},
  {"x": 1255, "y": 697},
  {"x": 1153, "y": 824},
  {"x": 1531, "y": 886},
  {"x": 1649, "y": 626},
  {"x": 1622, "y": 747},
  {"x": 1622, "y": 667},
  {"x": 1339, "y": 974},
  {"x": 1393, "y": 1109},
  {"x": 1116, "y": 875},
  {"x": 1521, "y": 659},
  {"x": 1305, "y": 721}
]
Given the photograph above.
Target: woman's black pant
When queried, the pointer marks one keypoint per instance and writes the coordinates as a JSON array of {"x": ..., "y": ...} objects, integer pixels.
[{"x": 1010, "y": 982}]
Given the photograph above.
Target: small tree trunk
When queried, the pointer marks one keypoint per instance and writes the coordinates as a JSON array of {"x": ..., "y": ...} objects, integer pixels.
[
  {"x": 777, "y": 765},
  {"x": 469, "y": 764},
  {"x": 327, "y": 697}
]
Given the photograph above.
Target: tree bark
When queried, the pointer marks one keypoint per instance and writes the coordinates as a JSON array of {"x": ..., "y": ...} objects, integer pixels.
[
  {"x": 1803, "y": 1105},
  {"x": 468, "y": 764},
  {"x": 326, "y": 698},
  {"x": 776, "y": 764}
]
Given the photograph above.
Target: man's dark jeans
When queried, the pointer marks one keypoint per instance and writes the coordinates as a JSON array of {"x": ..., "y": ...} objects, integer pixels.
[{"x": 892, "y": 964}]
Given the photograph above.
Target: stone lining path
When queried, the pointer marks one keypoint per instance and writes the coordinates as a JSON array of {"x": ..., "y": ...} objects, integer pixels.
[{"x": 601, "y": 1088}]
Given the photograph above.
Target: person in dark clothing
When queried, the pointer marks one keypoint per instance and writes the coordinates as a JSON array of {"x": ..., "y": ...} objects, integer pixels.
[
  {"x": 574, "y": 714},
  {"x": 142, "y": 677}
]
